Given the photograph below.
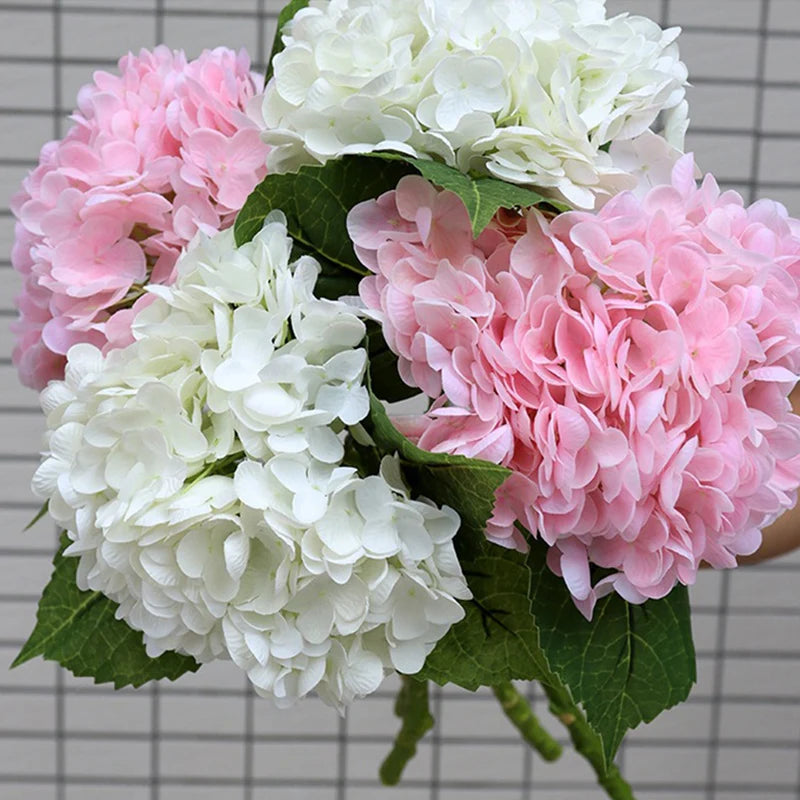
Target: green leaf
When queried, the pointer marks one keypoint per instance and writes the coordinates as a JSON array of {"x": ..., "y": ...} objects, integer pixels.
[
  {"x": 386, "y": 379},
  {"x": 466, "y": 484},
  {"x": 286, "y": 15},
  {"x": 520, "y": 612},
  {"x": 587, "y": 742},
  {"x": 332, "y": 288},
  {"x": 482, "y": 196},
  {"x": 40, "y": 514},
  {"x": 79, "y": 631},
  {"x": 384, "y": 375},
  {"x": 497, "y": 641},
  {"x": 333, "y": 281},
  {"x": 316, "y": 201},
  {"x": 624, "y": 667},
  {"x": 627, "y": 665}
]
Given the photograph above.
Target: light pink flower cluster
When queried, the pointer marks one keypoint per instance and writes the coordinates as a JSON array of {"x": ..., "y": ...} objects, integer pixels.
[
  {"x": 631, "y": 366},
  {"x": 156, "y": 153}
]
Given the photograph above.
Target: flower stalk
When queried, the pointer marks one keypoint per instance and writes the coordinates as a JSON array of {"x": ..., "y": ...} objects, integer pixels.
[
  {"x": 587, "y": 743},
  {"x": 413, "y": 709},
  {"x": 521, "y": 716}
]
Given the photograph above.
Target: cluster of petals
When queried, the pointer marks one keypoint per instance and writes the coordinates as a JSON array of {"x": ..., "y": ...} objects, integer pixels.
[
  {"x": 156, "y": 153},
  {"x": 529, "y": 91},
  {"x": 200, "y": 480},
  {"x": 631, "y": 366}
]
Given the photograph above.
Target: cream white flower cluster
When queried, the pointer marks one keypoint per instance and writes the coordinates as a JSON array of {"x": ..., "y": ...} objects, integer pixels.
[
  {"x": 199, "y": 474},
  {"x": 529, "y": 91}
]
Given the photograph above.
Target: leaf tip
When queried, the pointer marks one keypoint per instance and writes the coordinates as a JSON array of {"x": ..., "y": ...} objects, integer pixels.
[
  {"x": 39, "y": 515},
  {"x": 24, "y": 656},
  {"x": 478, "y": 227}
]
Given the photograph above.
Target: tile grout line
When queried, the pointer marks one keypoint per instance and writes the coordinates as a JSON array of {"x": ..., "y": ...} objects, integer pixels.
[{"x": 60, "y": 704}]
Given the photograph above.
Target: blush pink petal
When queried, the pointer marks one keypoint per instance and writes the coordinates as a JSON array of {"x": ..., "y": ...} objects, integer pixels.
[
  {"x": 631, "y": 367},
  {"x": 156, "y": 152}
]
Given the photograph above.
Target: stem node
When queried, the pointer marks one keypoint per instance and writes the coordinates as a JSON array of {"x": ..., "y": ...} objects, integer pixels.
[
  {"x": 521, "y": 716},
  {"x": 413, "y": 709},
  {"x": 587, "y": 743}
]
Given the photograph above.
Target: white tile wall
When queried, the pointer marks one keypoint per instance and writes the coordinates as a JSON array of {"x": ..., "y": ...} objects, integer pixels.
[{"x": 205, "y": 738}]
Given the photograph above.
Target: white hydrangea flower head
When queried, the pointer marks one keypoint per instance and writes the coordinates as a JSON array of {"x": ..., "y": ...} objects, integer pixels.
[
  {"x": 530, "y": 91},
  {"x": 374, "y": 585},
  {"x": 198, "y": 473}
]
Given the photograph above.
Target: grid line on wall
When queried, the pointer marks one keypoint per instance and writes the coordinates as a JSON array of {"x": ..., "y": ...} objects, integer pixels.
[{"x": 208, "y": 735}]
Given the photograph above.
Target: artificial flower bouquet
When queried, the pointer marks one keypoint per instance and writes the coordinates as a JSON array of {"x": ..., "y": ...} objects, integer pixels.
[{"x": 429, "y": 354}]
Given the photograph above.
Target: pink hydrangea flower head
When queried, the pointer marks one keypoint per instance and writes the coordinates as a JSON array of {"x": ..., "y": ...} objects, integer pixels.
[
  {"x": 156, "y": 153},
  {"x": 631, "y": 366}
]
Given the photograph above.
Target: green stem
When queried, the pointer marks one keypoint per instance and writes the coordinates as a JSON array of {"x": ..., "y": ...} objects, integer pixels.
[
  {"x": 134, "y": 293},
  {"x": 412, "y": 708},
  {"x": 588, "y": 743},
  {"x": 222, "y": 467},
  {"x": 521, "y": 716}
]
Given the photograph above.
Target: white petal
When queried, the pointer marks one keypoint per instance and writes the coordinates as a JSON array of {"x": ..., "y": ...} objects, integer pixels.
[
  {"x": 373, "y": 497},
  {"x": 162, "y": 574},
  {"x": 233, "y": 376},
  {"x": 66, "y": 441},
  {"x": 236, "y": 645},
  {"x": 408, "y": 658},
  {"x": 364, "y": 675},
  {"x": 45, "y": 479},
  {"x": 83, "y": 362},
  {"x": 237, "y": 552},
  {"x": 290, "y": 472},
  {"x": 346, "y": 366},
  {"x": 444, "y": 611},
  {"x": 408, "y": 619},
  {"x": 380, "y": 539},
  {"x": 252, "y": 484},
  {"x": 193, "y": 552},
  {"x": 340, "y": 533},
  {"x": 268, "y": 401},
  {"x": 350, "y": 603},
  {"x": 311, "y": 676},
  {"x": 220, "y": 585},
  {"x": 325, "y": 445},
  {"x": 309, "y": 505},
  {"x": 417, "y": 542},
  {"x": 316, "y": 621},
  {"x": 197, "y": 621},
  {"x": 258, "y": 645},
  {"x": 55, "y": 395}
]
